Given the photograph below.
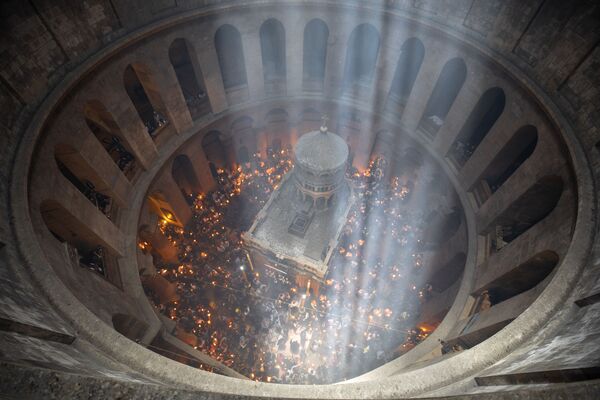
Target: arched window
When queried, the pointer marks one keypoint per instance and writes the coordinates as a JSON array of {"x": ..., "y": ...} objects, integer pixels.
[
  {"x": 86, "y": 249},
  {"x": 444, "y": 93},
  {"x": 272, "y": 44},
  {"x": 529, "y": 209},
  {"x": 361, "y": 55},
  {"x": 480, "y": 121},
  {"x": 316, "y": 34},
  {"x": 144, "y": 95},
  {"x": 83, "y": 177},
  {"x": 411, "y": 58},
  {"x": 105, "y": 128},
  {"x": 189, "y": 76},
  {"x": 183, "y": 174},
  {"x": 514, "y": 153},
  {"x": 228, "y": 43},
  {"x": 214, "y": 149}
]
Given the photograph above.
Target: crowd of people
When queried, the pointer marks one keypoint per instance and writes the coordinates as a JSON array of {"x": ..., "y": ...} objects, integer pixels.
[
  {"x": 157, "y": 121},
  {"x": 124, "y": 159},
  {"x": 260, "y": 320}
]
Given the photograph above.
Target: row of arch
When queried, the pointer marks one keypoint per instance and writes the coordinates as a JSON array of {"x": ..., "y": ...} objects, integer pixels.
[
  {"x": 102, "y": 124},
  {"x": 361, "y": 59},
  {"x": 230, "y": 52},
  {"x": 360, "y": 62},
  {"x": 360, "y": 65},
  {"x": 364, "y": 41}
]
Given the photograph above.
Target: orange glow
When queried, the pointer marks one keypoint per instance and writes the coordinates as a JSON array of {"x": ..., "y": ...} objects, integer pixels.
[{"x": 426, "y": 328}]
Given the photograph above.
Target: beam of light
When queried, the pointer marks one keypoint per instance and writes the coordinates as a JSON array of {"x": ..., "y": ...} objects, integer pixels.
[{"x": 217, "y": 271}]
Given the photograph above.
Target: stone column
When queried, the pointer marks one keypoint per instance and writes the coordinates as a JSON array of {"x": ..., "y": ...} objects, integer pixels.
[
  {"x": 384, "y": 72},
  {"x": 205, "y": 56},
  {"x": 253, "y": 60},
  {"x": 339, "y": 34},
  {"x": 464, "y": 103},
  {"x": 294, "y": 48},
  {"x": 502, "y": 131},
  {"x": 230, "y": 159}
]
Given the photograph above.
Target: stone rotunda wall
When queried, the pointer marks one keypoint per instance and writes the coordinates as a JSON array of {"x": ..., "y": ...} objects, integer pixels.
[{"x": 61, "y": 91}]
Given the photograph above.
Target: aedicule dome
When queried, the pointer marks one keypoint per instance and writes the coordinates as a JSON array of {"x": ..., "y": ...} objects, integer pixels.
[{"x": 321, "y": 151}]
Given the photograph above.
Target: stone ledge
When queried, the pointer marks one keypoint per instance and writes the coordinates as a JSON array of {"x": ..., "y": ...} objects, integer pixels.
[{"x": 37, "y": 383}]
